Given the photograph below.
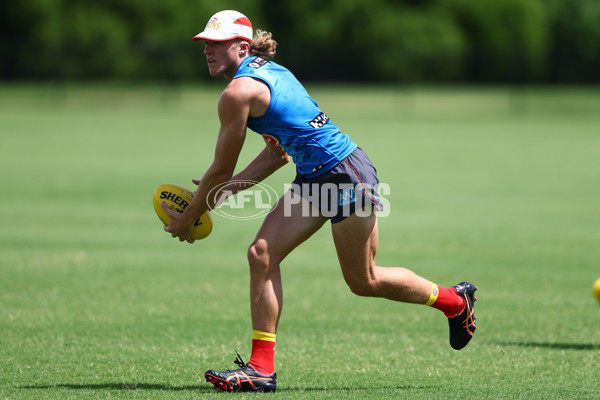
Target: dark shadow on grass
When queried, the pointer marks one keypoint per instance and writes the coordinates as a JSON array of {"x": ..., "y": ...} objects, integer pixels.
[
  {"x": 120, "y": 386},
  {"x": 207, "y": 387},
  {"x": 354, "y": 389},
  {"x": 558, "y": 346}
]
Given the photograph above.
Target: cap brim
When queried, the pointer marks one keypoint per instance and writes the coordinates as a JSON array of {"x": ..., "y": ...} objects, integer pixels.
[{"x": 217, "y": 36}]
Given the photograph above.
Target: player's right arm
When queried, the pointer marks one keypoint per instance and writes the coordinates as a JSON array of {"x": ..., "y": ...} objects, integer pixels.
[
  {"x": 267, "y": 161},
  {"x": 234, "y": 106},
  {"x": 273, "y": 156}
]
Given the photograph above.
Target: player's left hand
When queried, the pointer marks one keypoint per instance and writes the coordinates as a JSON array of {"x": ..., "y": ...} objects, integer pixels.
[{"x": 197, "y": 183}]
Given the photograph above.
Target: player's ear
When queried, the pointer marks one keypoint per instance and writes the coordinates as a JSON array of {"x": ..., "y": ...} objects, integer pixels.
[{"x": 244, "y": 48}]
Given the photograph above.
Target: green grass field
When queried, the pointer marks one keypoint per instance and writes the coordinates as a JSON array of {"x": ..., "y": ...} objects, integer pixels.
[{"x": 500, "y": 187}]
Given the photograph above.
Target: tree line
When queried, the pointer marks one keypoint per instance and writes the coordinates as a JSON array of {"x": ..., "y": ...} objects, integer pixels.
[{"x": 410, "y": 41}]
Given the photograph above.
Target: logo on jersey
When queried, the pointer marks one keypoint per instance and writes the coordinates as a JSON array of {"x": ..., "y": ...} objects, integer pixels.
[
  {"x": 319, "y": 121},
  {"x": 272, "y": 140},
  {"x": 318, "y": 167},
  {"x": 257, "y": 62}
]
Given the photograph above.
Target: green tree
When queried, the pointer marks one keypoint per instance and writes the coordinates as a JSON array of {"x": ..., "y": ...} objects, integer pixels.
[{"x": 508, "y": 39}]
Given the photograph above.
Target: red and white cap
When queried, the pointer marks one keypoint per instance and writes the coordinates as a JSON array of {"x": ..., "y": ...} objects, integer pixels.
[{"x": 226, "y": 25}]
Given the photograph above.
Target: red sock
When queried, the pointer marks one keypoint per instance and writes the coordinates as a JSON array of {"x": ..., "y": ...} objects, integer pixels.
[
  {"x": 448, "y": 301},
  {"x": 263, "y": 355}
]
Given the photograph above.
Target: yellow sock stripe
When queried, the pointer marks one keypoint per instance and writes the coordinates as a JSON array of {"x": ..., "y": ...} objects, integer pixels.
[
  {"x": 258, "y": 335},
  {"x": 435, "y": 291}
]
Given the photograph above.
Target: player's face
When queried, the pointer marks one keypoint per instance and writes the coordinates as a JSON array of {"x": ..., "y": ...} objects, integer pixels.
[{"x": 223, "y": 58}]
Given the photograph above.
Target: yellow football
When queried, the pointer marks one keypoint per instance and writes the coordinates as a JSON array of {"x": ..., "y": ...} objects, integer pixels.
[
  {"x": 596, "y": 289},
  {"x": 178, "y": 198}
]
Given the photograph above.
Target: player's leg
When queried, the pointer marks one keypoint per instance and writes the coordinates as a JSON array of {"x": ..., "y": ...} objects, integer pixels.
[
  {"x": 284, "y": 229},
  {"x": 356, "y": 243},
  {"x": 356, "y": 240}
]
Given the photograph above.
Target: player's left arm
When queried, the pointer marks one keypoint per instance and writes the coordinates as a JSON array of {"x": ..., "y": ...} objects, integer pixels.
[{"x": 269, "y": 160}]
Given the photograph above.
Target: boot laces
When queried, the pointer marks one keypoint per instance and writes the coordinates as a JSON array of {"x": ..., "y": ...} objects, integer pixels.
[{"x": 239, "y": 361}]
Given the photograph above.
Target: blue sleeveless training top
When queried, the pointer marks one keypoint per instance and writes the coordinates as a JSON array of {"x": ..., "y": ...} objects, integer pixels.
[{"x": 294, "y": 121}]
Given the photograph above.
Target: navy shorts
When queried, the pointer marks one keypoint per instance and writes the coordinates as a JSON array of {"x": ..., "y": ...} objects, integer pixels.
[{"x": 340, "y": 192}]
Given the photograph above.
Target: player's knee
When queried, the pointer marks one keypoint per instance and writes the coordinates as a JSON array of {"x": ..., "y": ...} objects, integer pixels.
[
  {"x": 258, "y": 254},
  {"x": 362, "y": 287}
]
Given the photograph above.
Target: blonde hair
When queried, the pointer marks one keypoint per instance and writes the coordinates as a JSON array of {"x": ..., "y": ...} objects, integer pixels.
[{"x": 263, "y": 45}]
